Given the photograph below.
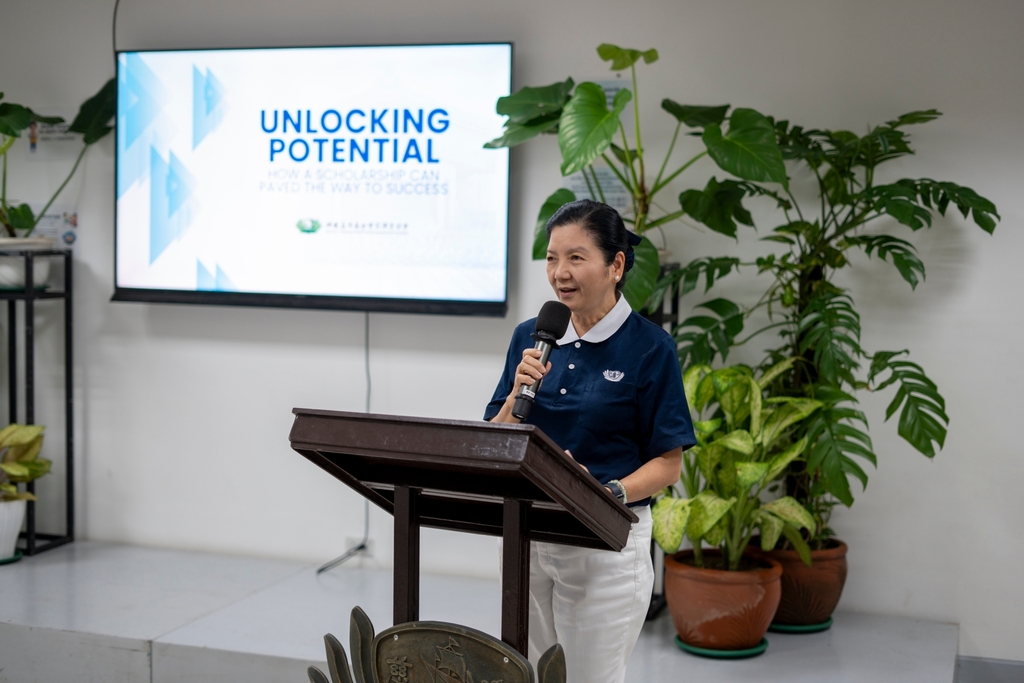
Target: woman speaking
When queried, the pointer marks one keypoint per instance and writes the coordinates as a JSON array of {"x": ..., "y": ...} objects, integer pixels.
[{"x": 613, "y": 399}]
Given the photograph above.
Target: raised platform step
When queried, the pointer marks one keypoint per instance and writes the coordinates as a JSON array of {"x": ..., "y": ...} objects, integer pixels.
[{"x": 111, "y": 613}]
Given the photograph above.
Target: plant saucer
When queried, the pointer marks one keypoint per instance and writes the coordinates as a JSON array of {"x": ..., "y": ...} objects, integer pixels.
[
  {"x": 723, "y": 654},
  {"x": 13, "y": 558},
  {"x": 801, "y": 628}
]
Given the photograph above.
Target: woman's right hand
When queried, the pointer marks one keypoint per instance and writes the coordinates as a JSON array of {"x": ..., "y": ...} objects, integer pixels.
[{"x": 529, "y": 370}]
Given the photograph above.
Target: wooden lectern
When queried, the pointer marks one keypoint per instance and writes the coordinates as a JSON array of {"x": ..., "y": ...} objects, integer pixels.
[{"x": 496, "y": 479}]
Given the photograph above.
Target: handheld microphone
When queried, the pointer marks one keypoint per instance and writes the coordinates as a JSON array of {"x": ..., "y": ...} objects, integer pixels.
[{"x": 552, "y": 322}]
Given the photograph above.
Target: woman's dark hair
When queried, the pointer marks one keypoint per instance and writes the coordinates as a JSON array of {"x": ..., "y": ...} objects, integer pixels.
[{"x": 604, "y": 224}]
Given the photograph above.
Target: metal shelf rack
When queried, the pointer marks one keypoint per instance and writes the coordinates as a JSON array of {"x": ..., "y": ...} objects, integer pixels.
[{"x": 30, "y": 541}]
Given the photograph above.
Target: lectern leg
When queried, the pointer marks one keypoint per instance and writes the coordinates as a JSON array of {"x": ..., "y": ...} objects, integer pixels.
[
  {"x": 407, "y": 555},
  {"x": 515, "y": 576}
]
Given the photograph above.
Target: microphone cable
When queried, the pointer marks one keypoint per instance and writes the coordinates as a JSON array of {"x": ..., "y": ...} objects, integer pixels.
[{"x": 361, "y": 546}]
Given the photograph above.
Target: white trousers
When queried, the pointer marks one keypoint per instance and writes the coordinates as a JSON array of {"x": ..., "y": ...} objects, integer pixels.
[{"x": 593, "y": 602}]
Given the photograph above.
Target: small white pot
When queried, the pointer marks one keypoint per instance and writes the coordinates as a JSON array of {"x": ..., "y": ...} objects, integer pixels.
[
  {"x": 12, "y": 268},
  {"x": 12, "y": 514}
]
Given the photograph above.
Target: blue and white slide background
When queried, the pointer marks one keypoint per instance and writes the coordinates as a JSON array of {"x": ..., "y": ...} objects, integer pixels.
[{"x": 282, "y": 171}]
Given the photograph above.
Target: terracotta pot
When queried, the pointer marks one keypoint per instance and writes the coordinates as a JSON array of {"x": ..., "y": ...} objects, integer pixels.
[
  {"x": 810, "y": 594},
  {"x": 717, "y": 609}
]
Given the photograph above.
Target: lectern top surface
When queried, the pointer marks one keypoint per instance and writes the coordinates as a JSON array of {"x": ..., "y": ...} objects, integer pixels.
[{"x": 463, "y": 466}]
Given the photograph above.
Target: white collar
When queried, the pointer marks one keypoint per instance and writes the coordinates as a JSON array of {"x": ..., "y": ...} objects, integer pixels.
[{"x": 605, "y": 327}]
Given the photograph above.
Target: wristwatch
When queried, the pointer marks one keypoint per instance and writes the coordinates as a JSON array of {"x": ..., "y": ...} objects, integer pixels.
[{"x": 618, "y": 489}]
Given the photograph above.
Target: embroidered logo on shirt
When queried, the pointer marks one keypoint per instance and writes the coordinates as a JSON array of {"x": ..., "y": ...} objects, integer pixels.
[{"x": 614, "y": 375}]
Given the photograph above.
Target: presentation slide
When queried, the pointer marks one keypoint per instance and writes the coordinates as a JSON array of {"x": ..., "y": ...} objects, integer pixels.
[{"x": 354, "y": 172}]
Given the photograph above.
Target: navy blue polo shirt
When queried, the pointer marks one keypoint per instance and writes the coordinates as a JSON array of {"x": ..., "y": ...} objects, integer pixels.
[{"x": 613, "y": 398}]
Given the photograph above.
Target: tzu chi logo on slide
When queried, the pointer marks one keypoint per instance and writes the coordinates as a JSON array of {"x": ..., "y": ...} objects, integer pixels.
[{"x": 614, "y": 375}]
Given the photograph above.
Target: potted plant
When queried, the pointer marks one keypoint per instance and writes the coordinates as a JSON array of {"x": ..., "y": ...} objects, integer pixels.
[
  {"x": 592, "y": 135},
  {"x": 721, "y": 598},
  {"x": 17, "y": 221},
  {"x": 819, "y": 324},
  {"x": 19, "y": 463}
]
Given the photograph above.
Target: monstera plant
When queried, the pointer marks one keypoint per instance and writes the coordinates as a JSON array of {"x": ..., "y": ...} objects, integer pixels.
[
  {"x": 92, "y": 122},
  {"x": 591, "y": 134},
  {"x": 745, "y": 443},
  {"x": 817, "y": 319}
]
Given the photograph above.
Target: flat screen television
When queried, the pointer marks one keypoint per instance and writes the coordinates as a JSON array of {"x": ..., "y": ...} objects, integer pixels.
[{"x": 325, "y": 177}]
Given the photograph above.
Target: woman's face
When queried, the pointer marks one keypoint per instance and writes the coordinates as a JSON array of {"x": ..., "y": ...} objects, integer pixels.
[{"x": 578, "y": 273}]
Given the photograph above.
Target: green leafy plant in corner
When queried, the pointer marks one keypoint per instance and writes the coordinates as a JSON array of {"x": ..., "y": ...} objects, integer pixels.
[
  {"x": 591, "y": 134},
  {"x": 818, "y": 320},
  {"x": 92, "y": 122},
  {"x": 19, "y": 460},
  {"x": 746, "y": 441}
]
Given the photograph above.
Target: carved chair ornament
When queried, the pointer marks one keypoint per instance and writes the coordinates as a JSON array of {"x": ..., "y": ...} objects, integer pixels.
[{"x": 431, "y": 652}]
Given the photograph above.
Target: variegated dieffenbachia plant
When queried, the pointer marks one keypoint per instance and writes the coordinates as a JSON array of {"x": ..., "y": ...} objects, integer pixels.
[
  {"x": 19, "y": 460},
  {"x": 744, "y": 443}
]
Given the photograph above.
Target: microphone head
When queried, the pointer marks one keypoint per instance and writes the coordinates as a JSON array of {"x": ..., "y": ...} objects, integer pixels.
[{"x": 553, "y": 319}]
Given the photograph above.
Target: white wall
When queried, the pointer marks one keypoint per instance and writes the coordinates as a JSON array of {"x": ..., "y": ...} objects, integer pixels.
[{"x": 183, "y": 412}]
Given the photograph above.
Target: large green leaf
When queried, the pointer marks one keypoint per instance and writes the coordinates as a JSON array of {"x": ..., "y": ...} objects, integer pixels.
[
  {"x": 833, "y": 441},
  {"x": 750, "y": 473},
  {"x": 25, "y": 452},
  {"x": 749, "y": 149},
  {"x": 902, "y": 203},
  {"x": 14, "y": 470},
  {"x": 624, "y": 57},
  {"x": 790, "y": 510},
  {"x": 700, "y": 337},
  {"x": 830, "y": 329},
  {"x": 923, "y": 419},
  {"x": 756, "y": 404},
  {"x": 21, "y": 217},
  {"x": 19, "y": 435},
  {"x": 695, "y": 116},
  {"x": 15, "y": 118},
  {"x": 903, "y": 253},
  {"x": 705, "y": 511},
  {"x": 788, "y": 412},
  {"x": 733, "y": 393},
  {"x": 705, "y": 429},
  {"x": 670, "y": 516},
  {"x": 642, "y": 276},
  {"x": 939, "y": 195},
  {"x": 771, "y": 528},
  {"x": 792, "y": 535},
  {"x": 691, "y": 378},
  {"x": 683, "y": 280},
  {"x": 718, "y": 206},
  {"x": 777, "y": 465},
  {"x": 26, "y": 471},
  {"x": 95, "y": 114},
  {"x": 774, "y": 371},
  {"x": 587, "y": 125},
  {"x": 557, "y": 200},
  {"x": 516, "y": 134},
  {"x": 915, "y": 117},
  {"x": 738, "y": 440},
  {"x": 528, "y": 104}
]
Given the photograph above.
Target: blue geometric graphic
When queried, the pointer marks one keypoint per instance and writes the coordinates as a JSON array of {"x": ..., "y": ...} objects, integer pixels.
[
  {"x": 208, "y": 282},
  {"x": 170, "y": 213},
  {"x": 139, "y": 100},
  {"x": 207, "y": 112}
]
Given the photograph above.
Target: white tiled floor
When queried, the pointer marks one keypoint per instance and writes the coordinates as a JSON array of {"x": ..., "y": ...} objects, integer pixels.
[{"x": 99, "y": 612}]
